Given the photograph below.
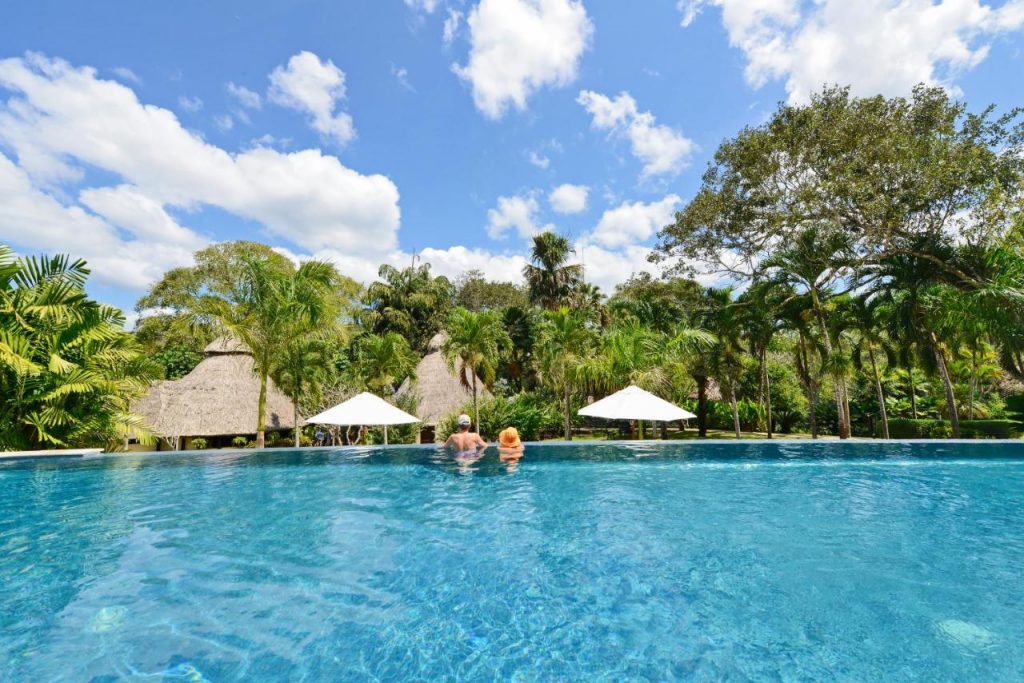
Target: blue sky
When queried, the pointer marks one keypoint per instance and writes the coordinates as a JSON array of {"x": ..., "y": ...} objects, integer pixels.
[{"x": 364, "y": 131}]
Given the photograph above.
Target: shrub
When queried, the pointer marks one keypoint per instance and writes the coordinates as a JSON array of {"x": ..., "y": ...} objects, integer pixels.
[
  {"x": 198, "y": 443},
  {"x": 904, "y": 428},
  {"x": 991, "y": 429},
  {"x": 532, "y": 415},
  {"x": 239, "y": 442}
]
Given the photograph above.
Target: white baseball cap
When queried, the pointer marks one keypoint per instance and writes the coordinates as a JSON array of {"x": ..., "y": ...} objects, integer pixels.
[{"x": 464, "y": 420}]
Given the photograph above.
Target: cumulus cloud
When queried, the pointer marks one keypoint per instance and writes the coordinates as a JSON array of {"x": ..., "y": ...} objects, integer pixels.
[
  {"x": 245, "y": 97},
  {"x": 60, "y": 118},
  {"x": 567, "y": 198},
  {"x": 539, "y": 160},
  {"x": 874, "y": 46},
  {"x": 520, "y": 46},
  {"x": 634, "y": 222},
  {"x": 663, "y": 150},
  {"x": 427, "y": 6},
  {"x": 311, "y": 85},
  {"x": 516, "y": 212}
]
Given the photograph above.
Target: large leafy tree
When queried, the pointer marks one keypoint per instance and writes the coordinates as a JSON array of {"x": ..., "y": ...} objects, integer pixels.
[
  {"x": 473, "y": 291},
  {"x": 476, "y": 342},
  {"x": 382, "y": 361},
  {"x": 265, "y": 306},
  {"x": 409, "y": 301},
  {"x": 891, "y": 173},
  {"x": 68, "y": 371},
  {"x": 550, "y": 279}
]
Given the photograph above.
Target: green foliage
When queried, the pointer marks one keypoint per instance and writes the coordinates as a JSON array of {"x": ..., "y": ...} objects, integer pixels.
[
  {"x": 550, "y": 279},
  {"x": 476, "y": 341},
  {"x": 409, "y": 302},
  {"x": 177, "y": 361},
  {"x": 902, "y": 428},
  {"x": 533, "y": 415},
  {"x": 476, "y": 293},
  {"x": 239, "y": 442},
  {"x": 382, "y": 361},
  {"x": 198, "y": 443},
  {"x": 68, "y": 371}
]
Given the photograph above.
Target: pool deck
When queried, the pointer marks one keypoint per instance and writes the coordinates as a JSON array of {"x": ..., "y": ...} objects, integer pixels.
[{"x": 54, "y": 453}]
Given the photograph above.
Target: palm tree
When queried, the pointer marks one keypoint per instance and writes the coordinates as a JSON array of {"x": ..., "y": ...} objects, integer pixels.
[
  {"x": 302, "y": 367},
  {"x": 725, "y": 323},
  {"x": 550, "y": 280},
  {"x": 263, "y": 309},
  {"x": 871, "y": 339},
  {"x": 382, "y": 361},
  {"x": 814, "y": 262},
  {"x": 760, "y": 321},
  {"x": 477, "y": 341},
  {"x": 564, "y": 342},
  {"x": 68, "y": 371},
  {"x": 409, "y": 301}
]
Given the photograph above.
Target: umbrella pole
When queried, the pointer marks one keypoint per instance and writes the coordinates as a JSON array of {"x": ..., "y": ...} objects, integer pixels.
[{"x": 385, "y": 435}]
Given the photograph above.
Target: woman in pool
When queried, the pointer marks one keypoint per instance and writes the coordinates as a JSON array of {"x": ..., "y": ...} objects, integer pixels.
[{"x": 510, "y": 448}]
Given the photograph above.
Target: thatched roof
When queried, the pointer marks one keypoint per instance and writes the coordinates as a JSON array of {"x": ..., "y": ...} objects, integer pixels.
[
  {"x": 439, "y": 391},
  {"x": 218, "y": 398}
]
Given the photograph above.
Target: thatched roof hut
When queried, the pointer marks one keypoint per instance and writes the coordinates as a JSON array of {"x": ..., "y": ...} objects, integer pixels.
[
  {"x": 439, "y": 391},
  {"x": 218, "y": 398}
]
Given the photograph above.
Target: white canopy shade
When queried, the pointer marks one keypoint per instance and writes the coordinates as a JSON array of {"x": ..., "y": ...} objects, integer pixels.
[
  {"x": 633, "y": 403},
  {"x": 364, "y": 409}
]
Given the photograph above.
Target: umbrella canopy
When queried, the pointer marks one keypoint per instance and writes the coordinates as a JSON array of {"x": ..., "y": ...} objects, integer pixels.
[
  {"x": 633, "y": 403},
  {"x": 363, "y": 409}
]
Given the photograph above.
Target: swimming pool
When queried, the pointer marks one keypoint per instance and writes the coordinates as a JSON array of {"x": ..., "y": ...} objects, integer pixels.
[{"x": 704, "y": 561}]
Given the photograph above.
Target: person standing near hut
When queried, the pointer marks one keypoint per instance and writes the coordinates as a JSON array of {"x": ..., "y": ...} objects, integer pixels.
[{"x": 465, "y": 441}]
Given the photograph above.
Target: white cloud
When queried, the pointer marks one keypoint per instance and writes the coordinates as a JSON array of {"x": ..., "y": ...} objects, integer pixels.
[
  {"x": 245, "y": 97},
  {"x": 568, "y": 198},
  {"x": 311, "y": 85},
  {"x": 520, "y": 46},
  {"x": 874, "y": 46},
  {"x": 59, "y": 119},
  {"x": 636, "y": 222},
  {"x": 607, "y": 268},
  {"x": 224, "y": 122},
  {"x": 146, "y": 219},
  {"x": 518, "y": 212},
  {"x": 401, "y": 75},
  {"x": 37, "y": 222},
  {"x": 427, "y": 6},
  {"x": 451, "y": 25},
  {"x": 663, "y": 150},
  {"x": 539, "y": 160},
  {"x": 126, "y": 74},
  {"x": 190, "y": 103}
]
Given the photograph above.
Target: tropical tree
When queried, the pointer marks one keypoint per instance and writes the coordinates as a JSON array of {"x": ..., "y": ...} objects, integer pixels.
[
  {"x": 68, "y": 371},
  {"x": 550, "y": 279},
  {"x": 382, "y": 361},
  {"x": 564, "y": 343},
  {"x": 724, "y": 321},
  {"x": 264, "y": 306},
  {"x": 409, "y": 301},
  {"x": 760, "y": 320},
  {"x": 476, "y": 341},
  {"x": 871, "y": 340},
  {"x": 303, "y": 367}
]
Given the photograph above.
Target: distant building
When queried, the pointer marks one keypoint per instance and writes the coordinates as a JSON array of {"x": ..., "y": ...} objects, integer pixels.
[
  {"x": 216, "y": 401},
  {"x": 438, "y": 389}
]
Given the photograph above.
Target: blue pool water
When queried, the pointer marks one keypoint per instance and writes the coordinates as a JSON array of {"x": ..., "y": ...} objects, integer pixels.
[{"x": 701, "y": 561}]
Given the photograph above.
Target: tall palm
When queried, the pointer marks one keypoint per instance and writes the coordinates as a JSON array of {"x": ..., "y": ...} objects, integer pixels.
[
  {"x": 476, "y": 341},
  {"x": 410, "y": 301},
  {"x": 814, "y": 262},
  {"x": 760, "y": 318},
  {"x": 564, "y": 343},
  {"x": 725, "y": 322},
  {"x": 263, "y": 308},
  {"x": 550, "y": 280},
  {"x": 302, "y": 368},
  {"x": 868, "y": 317}
]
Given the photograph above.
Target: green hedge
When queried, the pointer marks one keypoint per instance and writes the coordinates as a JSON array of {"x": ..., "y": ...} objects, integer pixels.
[{"x": 904, "y": 428}]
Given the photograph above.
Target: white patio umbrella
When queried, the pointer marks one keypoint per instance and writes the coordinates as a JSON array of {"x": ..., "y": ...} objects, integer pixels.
[
  {"x": 633, "y": 403},
  {"x": 364, "y": 409}
]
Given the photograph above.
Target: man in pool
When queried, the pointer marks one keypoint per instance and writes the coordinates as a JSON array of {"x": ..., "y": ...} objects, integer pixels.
[{"x": 465, "y": 441}]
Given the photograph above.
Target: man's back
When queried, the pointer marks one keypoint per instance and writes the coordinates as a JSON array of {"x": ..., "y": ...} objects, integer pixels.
[{"x": 466, "y": 441}]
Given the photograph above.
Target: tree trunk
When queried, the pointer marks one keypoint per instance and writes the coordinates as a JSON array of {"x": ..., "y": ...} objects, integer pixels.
[
  {"x": 881, "y": 394},
  {"x": 974, "y": 381},
  {"x": 840, "y": 383},
  {"x": 476, "y": 410},
  {"x": 568, "y": 420},
  {"x": 735, "y": 409},
  {"x": 913, "y": 393},
  {"x": 295, "y": 418},
  {"x": 261, "y": 417},
  {"x": 702, "y": 406},
  {"x": 767, "y": 391},
  {"x": 940, "y": 359}
]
